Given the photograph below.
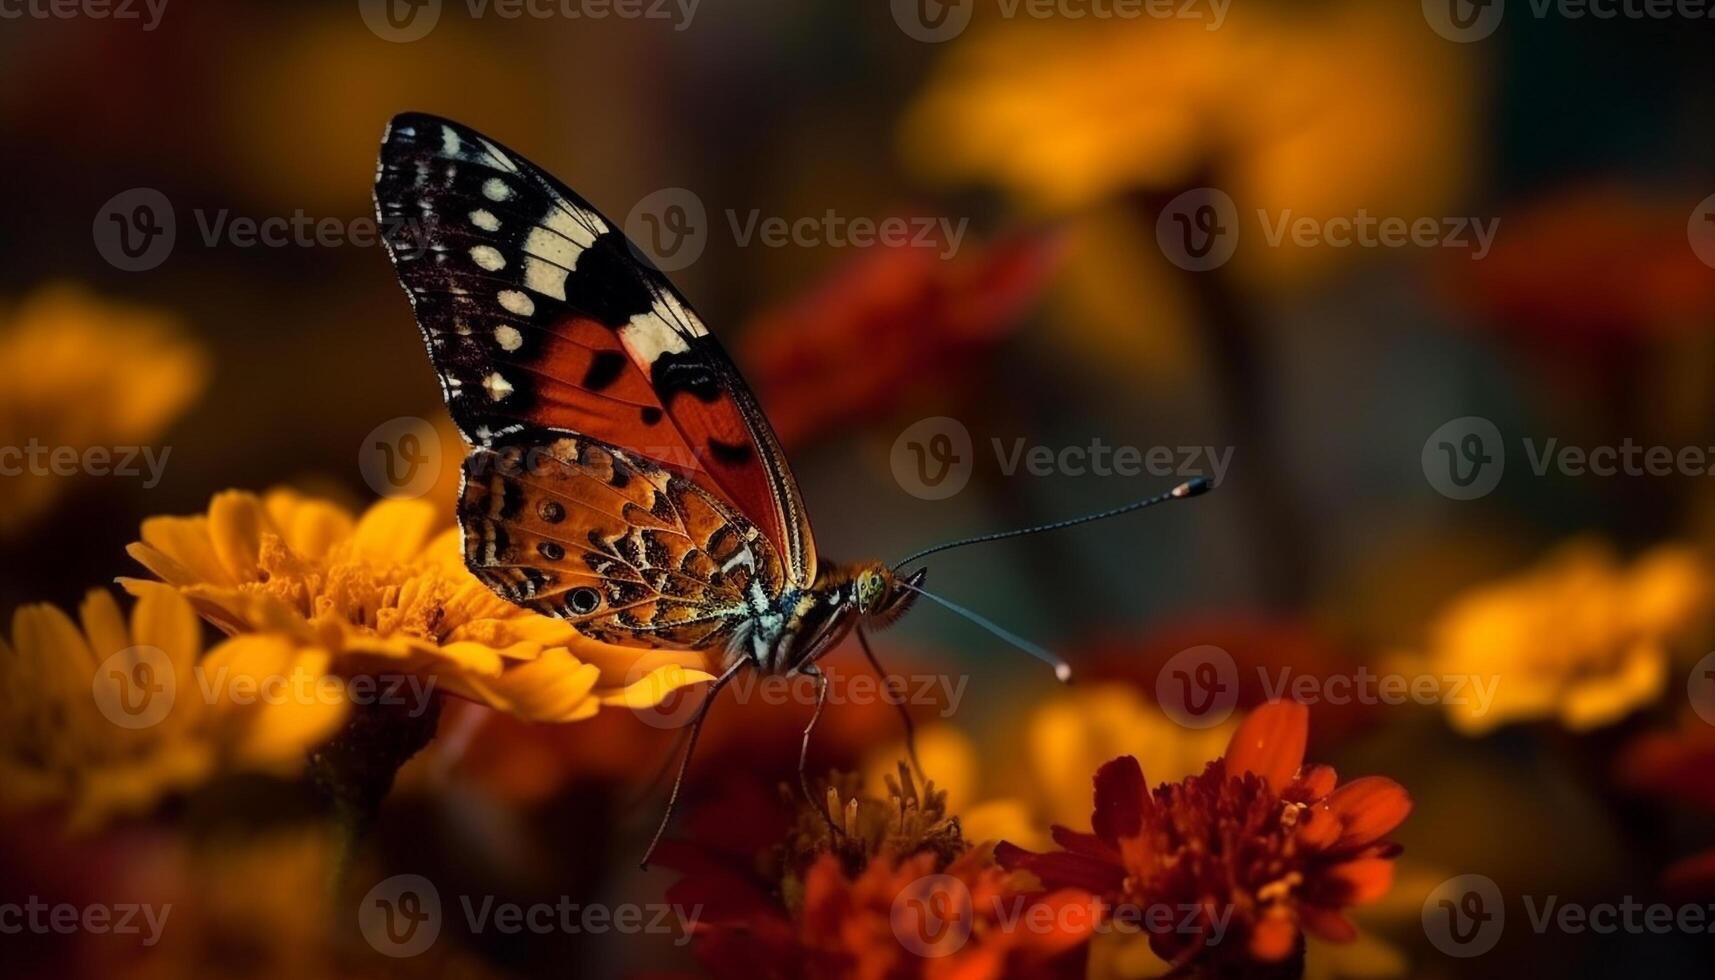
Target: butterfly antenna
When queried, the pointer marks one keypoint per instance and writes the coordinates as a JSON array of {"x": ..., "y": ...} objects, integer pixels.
[
  {"x": 1190, "y": 488},
  {"x": 1062, "y": 669}
]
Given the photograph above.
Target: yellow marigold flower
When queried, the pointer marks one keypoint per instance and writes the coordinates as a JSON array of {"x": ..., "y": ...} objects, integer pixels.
[
  {"x": 108, "y": 716},
  {"x": 1579, "y": 637},
  {"x": 78, "y": 373},
  {"x": 389, "y": 591}
]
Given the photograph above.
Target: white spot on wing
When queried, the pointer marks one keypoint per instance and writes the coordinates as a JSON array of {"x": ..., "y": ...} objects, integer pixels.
[
  {"x": 449, "y": 141},
  {"x": 488, "y": 257},
  {"x": 544, "y": 277},
  {"x": 516, "y": 302},
  {"x": 508, "y": 337},
  {"x": 485, "y": 219},
  {"x": 661, "y": 330},
  {"x": 495, "y": 189},
  {"x": 496, "y": 386}
]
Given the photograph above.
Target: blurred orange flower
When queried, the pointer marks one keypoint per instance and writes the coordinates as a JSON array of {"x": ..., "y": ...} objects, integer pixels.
[
  {"x": 388, "y": 591},
  {"x": 893, "y": 321},
  {"x": 106, "y": 717},
  {"x": 1590, "y": 263},
  {"x": 79, "y": 373},
  {"x": 1578, "y": 637},
  {"x": 1257, "y": 846}
]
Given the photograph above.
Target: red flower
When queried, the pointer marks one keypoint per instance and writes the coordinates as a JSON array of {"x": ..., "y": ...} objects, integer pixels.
[
  {"x": 1255, "y": 846},
  {"x": 894, "y": 320},
  {"x": 1676, "y": 766}
]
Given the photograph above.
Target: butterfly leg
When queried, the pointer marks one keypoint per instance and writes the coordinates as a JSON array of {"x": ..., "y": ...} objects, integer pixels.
[
  {"x": 820, "y": 806},
  {"x": 661, "y": 771},
  {"x": 690, "y": 747},
  {"x": 904, "y": 712}
]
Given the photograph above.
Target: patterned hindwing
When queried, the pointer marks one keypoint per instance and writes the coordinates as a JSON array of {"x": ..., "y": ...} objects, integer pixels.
[
  {"x": 541, "y": 317},
  {"x": 628, "y": 552}
]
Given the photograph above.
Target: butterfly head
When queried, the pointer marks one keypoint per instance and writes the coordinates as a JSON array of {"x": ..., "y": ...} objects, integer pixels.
[{"x": 882, "y": 596}]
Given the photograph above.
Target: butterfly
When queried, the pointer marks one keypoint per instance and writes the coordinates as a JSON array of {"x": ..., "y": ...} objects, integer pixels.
[{"x": 621, "y": 475}]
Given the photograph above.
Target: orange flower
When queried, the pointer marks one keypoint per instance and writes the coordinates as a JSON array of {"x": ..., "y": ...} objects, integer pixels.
[{"x": 1258, "y": 845}]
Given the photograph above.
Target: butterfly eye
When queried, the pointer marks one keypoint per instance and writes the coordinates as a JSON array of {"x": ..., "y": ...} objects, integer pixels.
[{"x": 584, "y": 600}]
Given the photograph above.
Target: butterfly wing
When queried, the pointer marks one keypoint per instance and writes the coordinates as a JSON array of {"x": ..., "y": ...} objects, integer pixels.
[
  {"x": 627, "y": 551},
  {"x": 543, "y": 321}
]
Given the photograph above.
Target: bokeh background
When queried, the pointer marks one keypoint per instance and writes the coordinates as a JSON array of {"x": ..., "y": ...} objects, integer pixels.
[{"x": 1063, "y": 314}]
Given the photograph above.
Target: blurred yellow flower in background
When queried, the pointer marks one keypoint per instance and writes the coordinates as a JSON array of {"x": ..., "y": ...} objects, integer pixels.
[
  {"x": 1579, "y": 637},
  {"x": 106, "y": 716},
  {"x": 1063, "y": 116},
  {"x": 79, "y": 373},
  {"x": 388, "y": 591}
]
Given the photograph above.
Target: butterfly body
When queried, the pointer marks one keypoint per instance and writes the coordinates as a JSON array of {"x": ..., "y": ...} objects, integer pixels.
[{"x": 621, "y": 475}]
